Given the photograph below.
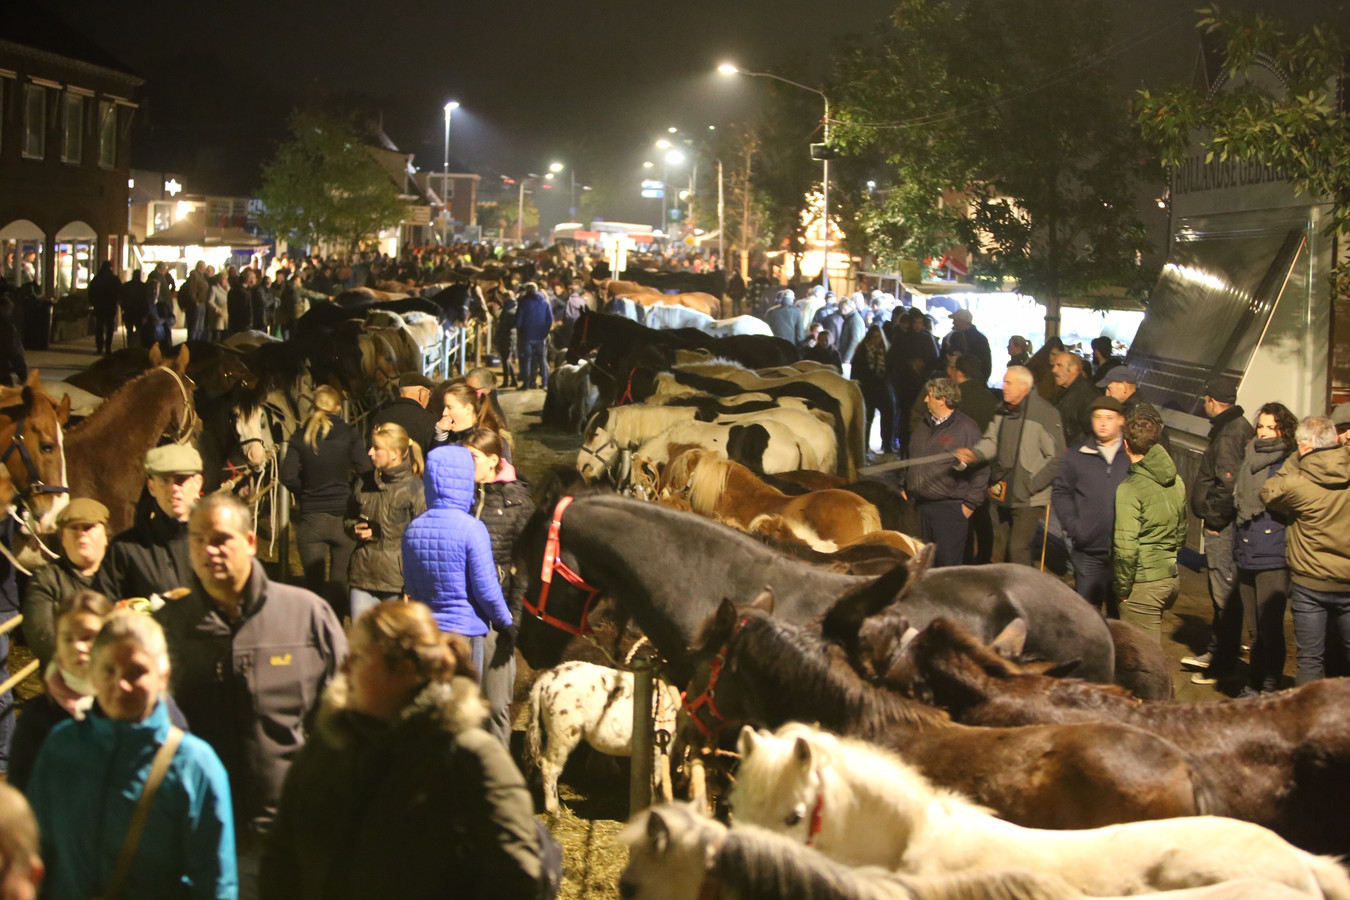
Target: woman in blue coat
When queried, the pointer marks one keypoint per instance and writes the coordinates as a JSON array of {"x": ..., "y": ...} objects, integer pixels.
[{"x": 447, "y": 558}]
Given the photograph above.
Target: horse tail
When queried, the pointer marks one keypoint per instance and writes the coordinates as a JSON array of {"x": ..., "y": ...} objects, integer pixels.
[
  {"x": 534, "y": 725},
  {"x": 1330, "y": 876},
  {"x": 871, "y": 518}
]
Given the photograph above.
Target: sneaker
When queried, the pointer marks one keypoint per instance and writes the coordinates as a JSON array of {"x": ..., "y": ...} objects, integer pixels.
[
  {"x": 1249, "y": 691},
  {"x": 1204, "y": 678},
  {"x": 1198, "y": 662}
]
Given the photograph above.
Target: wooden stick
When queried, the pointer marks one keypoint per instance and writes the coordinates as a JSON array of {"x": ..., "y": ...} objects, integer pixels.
[
  {"x": 11, "y": 625},
  {"x": 15, "y": 679}
]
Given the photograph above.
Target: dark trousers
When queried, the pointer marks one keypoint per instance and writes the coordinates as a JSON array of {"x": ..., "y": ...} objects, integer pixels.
[
  {"x": 322, "y": 543},
  {"x": 1014, "y": 527},
  {"x": 105, "y": 324},
  {"x": 536, "y": 360},
  {"x": 878, "y": 397},
  {"x": 507, "y": 351},
  {"x": 192, "y": 321},
  {"x": 1226, "y": 634},
  {"x": 1092, "y": 579},
  {"x": 499, "y": 683},
  {"x": 944, "y": 523},
  {"x": 980, "y": 538},
  {"x": 1312, "y": 610},
  {"x": 1265, "y": 594}
]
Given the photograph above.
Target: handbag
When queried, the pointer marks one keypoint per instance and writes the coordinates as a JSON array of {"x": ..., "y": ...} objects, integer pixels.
[{"x": 117, "y": 882}]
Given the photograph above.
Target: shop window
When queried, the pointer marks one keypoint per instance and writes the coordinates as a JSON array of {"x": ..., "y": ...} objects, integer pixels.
[
  {"x": 34, "y": 121},
  {"x": 72, "y": 142},
  {"x": 107, "y": 134}
]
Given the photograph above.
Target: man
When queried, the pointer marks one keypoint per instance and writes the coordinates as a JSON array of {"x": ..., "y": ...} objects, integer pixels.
[
  {"x": 832, "y": 317},
  {"x": 104, "y": 292},
  {"x": 1150, "y": 529},
  {"x": 134, "y": 300},
  {"x": 852, "y": 329},
  {"x": 250, "y": 659},
  {"x": 192, "y": 300},
  {"x": 409, "y": 410},
  {"x": 84, "y": 542},
  {"x": 1084, "y": 498},
  {"x": 736, "y": 291},
  {"x": 21, "y": 868},
  {"x": 151, "y": 557},
  {"x": 812, "y": 304},
  {"x": 963, "y": 323},
  {"x": 785, "y": 319},
  {"x": 534, "y": 320},
  {"x": 1102, "y": 360},
  {"x": 1313, "y": 489},
  {"x": 945, "y": 497},
  {"x": 1340, "y": 417},
  {"x": 977, "y": 401},
  {"x": 1121, "y": 382},
  {"x": 1212, "y": 502},
  {"x": 1024, "y": 446},
  {"x": 1075, "y": 395}
]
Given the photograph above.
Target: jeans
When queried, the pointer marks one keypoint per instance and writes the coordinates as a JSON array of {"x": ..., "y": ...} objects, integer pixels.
[
  {"x": 1266, "y": 593},
  {"x": 944, "y": 523},
  {"x": 1014, "y": 527},
  {"x": 1226, "y": 635},
  {"x": 321, "y": 541},
  {"x": 1148, "y": 601},
  {"x": 361, "y": 600},
  {"x": 1092, "y": 580},
  {"x": 476, "y": 654},
  {"x": 499, "y": 685},
  {"x": 879, "y": 397},
  {"x": 7, "y": 698},
  {"x": 1311, "y": 611},
  {"x": 536, "y": 360}
]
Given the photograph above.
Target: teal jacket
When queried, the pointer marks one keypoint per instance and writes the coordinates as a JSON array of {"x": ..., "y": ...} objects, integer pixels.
[
  {"x": 1150, "y": 522},
  {"x": 84, "y": 788}
]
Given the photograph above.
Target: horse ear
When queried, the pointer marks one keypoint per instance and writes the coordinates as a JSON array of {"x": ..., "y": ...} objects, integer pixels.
[
  {"x": 746, "y": 742},
  {"x": 658, "y": 832},
  {"x": 1012, "y": 640},
  {"x": 180, "y": 363},
  {"x": 156, "y": 357},
  {"x": 34, "y": 381},
  {"x": 719, "y": 627},
  {"x": 846, "y": 616},
  {"x": 1054, "y": 669},
  {"x": 764, "y": 601},
  {"x": 63, "y": 409},
  {"x": 801, "y": 751},
  {"x": 918, "y": 566}
]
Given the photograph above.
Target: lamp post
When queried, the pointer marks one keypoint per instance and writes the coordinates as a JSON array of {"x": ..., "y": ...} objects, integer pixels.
[
  {"x": 729, "y": 69},
  {"x": 445, "y": 176},
  {"x": 555, "y": 168}
]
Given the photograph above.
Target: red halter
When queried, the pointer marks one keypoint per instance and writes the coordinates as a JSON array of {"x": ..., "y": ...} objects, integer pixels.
[
  {"x": 627, "y": 396},
  {"x": 817, "y": 814},
  {"x": 707, "y": 697},
  {"x": 553, "y": 562}
]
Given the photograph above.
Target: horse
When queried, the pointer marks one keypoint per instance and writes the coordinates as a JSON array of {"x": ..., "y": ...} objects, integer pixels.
[
  {"x": 579, "y": 701},
  {"x": 459, "y": 302},
  {"x": 863, "y": 806},
  {"x": 1280, "y": 760},
  {"x": 725, "y": 489},
  {"x": 571, "y": 398},
  {"x": 676, "y": 854},
  {"x": 738, "y": 325},
  {"x": 616, "y": 545},
  {"x": 35, "y": 455},
  {"x": 663, "y": 317},
  {"x": 613, "y": 337},
  {"x": 105, "y": 451}
]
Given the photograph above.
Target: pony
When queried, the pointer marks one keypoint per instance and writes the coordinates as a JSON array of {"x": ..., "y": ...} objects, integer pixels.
[
  {"x": 663, "y": 317},
  {"x": 752, "y": 668},
  {"x": 580, "y": 701},
  {"x": 613, "y": 337},
  {"x": 863, "y": 806},
  {"x": 1280, "y": 760},
  {"x": 824, "y": 520},
  {"x": 105, "y": 451},
  {"x": 571, "y": 397},
  {"x": 738, "y": 325},
  {"x": 615, "y": 545},
  {"x": 676, "y": 854},
  {"x": 761, "y": 443},
  {"x": 35, "y": 456}
]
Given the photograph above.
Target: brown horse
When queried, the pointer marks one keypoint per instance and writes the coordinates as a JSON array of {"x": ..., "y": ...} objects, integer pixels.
[
  {"x": 825, "y": 520},
  {"x": 754, "y": 669},
  {"x": 34, "y": 456},
  {"x": 640, "y": 293},
  {"x": 1280, "y": 760},
  {"x": 106, "y": 450}
]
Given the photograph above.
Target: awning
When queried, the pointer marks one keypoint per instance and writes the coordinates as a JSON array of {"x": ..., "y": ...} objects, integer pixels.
[{"x": 190, "y": 231}]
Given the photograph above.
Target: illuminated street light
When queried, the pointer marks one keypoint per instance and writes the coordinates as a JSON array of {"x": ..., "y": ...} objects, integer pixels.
[
  {"x": 672, "y": 129},
  {"x": 555, "y": 167},
  {"x": 728, "y": 69},
  {"x": 664, "y": 144},
  {"x": 647, "y": 164},
  {"x": 445, "y": 175},
  {"x": 674, "y": 157}
]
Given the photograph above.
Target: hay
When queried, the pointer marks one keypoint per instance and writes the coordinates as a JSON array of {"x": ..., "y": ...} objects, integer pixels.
[{"x": 593, "y": 859}]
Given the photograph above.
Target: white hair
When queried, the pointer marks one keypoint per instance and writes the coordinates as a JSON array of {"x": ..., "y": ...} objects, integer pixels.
[
  {"x": 1020, "y": 374},
  {"x": 1319, "y": 431}
]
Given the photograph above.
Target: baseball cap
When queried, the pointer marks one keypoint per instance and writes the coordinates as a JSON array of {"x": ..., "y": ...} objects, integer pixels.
[
  {"x": 1110, "y": 403},
  {"x": 82, "y": 511},
  {"x": 173, "y": 459},
  {"x": 1122, "y": 374},
  {"x": 963, "y": 315},
  {"x": 1222, "y": 390}
]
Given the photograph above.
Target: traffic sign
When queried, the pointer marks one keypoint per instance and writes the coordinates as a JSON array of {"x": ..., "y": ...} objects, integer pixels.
[
  {"x": 650, "y": 185},
  {"x": 653, "y": 193}
]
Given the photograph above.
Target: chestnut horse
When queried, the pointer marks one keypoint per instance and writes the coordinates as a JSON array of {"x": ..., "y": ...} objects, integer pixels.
[
  {"x": 34, "y": 454},
  {"x": 1280, "y": 760},
  {"x": 106, "y": 450},
  {"x": 754, "y": 669}
]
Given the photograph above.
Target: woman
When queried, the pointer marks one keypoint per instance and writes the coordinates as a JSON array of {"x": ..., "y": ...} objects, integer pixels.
[
  {"x": 398, "y": 792},
  {"x": 464, "y": 408},
  {"x": 91, "y": 774},
  {"x": 318, "y": 471},
  {"x": 1258, "y": 547},
  {"x": 84, "y": 542},
  {"x": 503, "y": 504},
  {"x": 447, "y": 557},
  {"x": 383, "y": 507},
  {"x": 869, "y": 370},
  {"x": 218, "y": 306}
]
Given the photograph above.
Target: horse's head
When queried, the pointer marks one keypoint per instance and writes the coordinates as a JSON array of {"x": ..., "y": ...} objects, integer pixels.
[
  {"x": 556, "y": 608},
  {"x": 184, "y": 425},
  {"x": 34, "y": 454},
  {"x": 717, "y": 697},
  {"x": 580, "y": 346},
  {"x": 221, "y": 374},
  {"x": 844, "y": 621},
  {"x": 945, "y": 665},
  {"x": 780, "y": 783},
  {"x": 669, "y": 850},
  {"x": 600, "y": 450}
]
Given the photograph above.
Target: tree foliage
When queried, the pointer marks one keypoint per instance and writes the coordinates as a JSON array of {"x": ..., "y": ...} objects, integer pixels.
[
  {"x": 1001, "y": 129},
  {"x": 1300, "y": 132},
  {"x": 324, "y": 184}
]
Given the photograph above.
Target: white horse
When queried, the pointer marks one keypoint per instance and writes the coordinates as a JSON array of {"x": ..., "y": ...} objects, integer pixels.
[
  {"x": 664, "y": 317},
  {"x": 676, "y": 854},
  {"x": 579, "y": 701},
  {"x": 861, "y": 805},
  {"x": 738, "y": 325}
]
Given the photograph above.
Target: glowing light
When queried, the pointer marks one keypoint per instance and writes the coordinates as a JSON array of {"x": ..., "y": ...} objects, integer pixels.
[
  {"x": 672, "y": 129},
  {"x": 1196, "y": 276},
  {"x": 674, "y": 157},
  {"x": 727, "y": 69},
  {"x": 663, "y": 144},
  {"x": 555, "y": 167},
  {"x": 172, "y": 187},
  {"x": 647, "y": 164}
]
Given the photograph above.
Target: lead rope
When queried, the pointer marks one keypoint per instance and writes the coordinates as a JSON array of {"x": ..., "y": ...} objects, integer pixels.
[{"x": 189, "y": 409}]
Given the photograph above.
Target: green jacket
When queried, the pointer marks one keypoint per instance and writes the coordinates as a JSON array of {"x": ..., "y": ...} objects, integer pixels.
[
  {"x": 1150, "y": 522},
  {"x": 1315, "y": 491}
]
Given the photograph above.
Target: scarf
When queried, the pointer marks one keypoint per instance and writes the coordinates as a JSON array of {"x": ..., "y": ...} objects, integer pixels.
[{"x": 1262, "y": 453}]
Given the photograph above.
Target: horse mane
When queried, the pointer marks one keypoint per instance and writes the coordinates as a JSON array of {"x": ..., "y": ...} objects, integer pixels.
[
  {"x": 117, "y": 405},
  {"x": 635, "y": 423},
  {"x": 757, "y": 864},
  {"x": 707, "y": 482}
]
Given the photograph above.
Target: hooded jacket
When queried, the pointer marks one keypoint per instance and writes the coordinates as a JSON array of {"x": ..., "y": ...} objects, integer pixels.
[
  {"x": 504, "y": 505},
  {"x": 430, "y": 806},
  {"x": 247, "y": 687},
  {"x": 1258, "y": 535},
  {"x": 150, "y": 557},
  {"x": 84, "y": 789},
  {"x": 1315, "y": 491},
  {"x": 1025, "y": 445},
  {"x": 391, "y": 500},
  {"x": 534, "y": 318},
  {"x": 1151, "y": 522},
  {"x": 1212, "y": 493},
  {"x": 1084, "y": 495},
  {"x": 447, "y": 554}
]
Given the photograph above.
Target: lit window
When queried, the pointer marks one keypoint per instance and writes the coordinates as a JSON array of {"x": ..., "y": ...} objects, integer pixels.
[
  {"x": 72, "y": 142},
  {"x": 107, "y": 134},
  {"x": 34, "y": 121}
]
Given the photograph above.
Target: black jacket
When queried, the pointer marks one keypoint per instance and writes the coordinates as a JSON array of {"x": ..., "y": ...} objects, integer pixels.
[
  {"x": 1073, "y": 403},
  {"x": 504, "y": 507},
  {"x": 1212, "y": 493},
  {"x": 240, "y": 311},
  {"x": 150, "y": 557},
  {"x": 1084, "y": 496},
  {"x": 104, "y": 291},
  {"x": 419, "y": 422},
  {"x": 43, "y": 592},
  {"x": 388, "y": 500},
  {"x": 978, "y": 402},
  {"x": 321, "y": 479},
  {"x": 937, "y": 481}
]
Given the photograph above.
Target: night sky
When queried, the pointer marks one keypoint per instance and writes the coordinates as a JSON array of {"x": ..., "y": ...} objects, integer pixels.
[{"x": 593, "y": 81}]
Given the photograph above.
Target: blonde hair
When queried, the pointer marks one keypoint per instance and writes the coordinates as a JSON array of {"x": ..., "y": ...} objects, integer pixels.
[
  {"x": 408, "y": 631},
  {"x": 129, "y": 625},
  {"x": 392, "y": 436},
  {"x": 327, "y": 401}
]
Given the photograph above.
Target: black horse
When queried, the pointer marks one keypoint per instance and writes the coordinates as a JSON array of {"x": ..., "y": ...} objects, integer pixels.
[{"x": 613, "y": 337}]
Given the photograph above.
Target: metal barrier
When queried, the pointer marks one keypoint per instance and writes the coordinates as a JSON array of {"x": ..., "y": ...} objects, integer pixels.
[
  {"x": 32, "y": 666},
  {"x": 451, "y": 353}
]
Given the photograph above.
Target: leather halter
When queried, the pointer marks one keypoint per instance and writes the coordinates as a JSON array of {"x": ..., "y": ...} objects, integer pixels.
[
  {"x": 627, "y": 396},
  {"x": 553, "y": 562},
  {"x": 189, "y": 420},
  {"x": 35, "y": 483},
  {"x": 817, "y": 819},
  {"x": 604, "y": 463},
  {"x": 708, "y": 696}
]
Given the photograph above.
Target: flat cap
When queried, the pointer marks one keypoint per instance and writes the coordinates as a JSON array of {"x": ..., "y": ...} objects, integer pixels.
[
  {"x": 82, "y": 511},
  {"x": 1340, "y": 416},
  {"x": 173, "y": 459},
  {"x": 963, "y": 315},
  {"x": 415, "y": 380},
  {"x": 1110, "y": 403},
  {"x": 1118, "y": 373}
]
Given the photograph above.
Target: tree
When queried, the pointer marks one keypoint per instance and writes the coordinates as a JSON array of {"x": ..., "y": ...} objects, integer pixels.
[
  {"x": 1012, "y": 140},
  {"x": 324, "y": 184}
]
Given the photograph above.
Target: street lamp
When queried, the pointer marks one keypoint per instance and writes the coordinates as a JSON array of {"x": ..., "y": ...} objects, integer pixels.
[
  {"x": 520, "y": 208},
  {"x": 730, "y": 69},
  {"x": 556, "y": 167},
  {"x": 445, "y": 176}
]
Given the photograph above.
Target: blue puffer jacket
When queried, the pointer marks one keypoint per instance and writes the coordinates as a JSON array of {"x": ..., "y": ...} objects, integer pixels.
[
  {"x": 447, "y": 554},
  {"x": 84, "y": 788},
  {"x": 534, "y": 318}
]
